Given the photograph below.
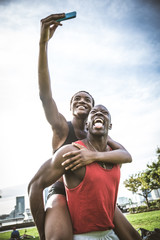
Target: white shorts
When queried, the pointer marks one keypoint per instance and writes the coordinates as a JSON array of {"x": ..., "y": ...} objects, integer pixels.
[{"x": 101, "y": 235}]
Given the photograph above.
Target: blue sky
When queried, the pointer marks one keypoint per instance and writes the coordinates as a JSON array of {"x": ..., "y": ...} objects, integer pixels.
[{"x": 111, "y": 50}]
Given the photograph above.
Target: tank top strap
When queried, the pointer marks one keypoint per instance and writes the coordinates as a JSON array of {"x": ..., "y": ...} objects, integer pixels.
[{"x": 71, "y": 135}]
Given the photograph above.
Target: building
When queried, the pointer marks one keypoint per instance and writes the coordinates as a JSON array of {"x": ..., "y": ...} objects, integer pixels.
[{"x": 20, "y": 206}]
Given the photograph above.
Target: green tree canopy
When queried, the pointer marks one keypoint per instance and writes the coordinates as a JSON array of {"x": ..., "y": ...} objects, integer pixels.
[
  {"x": 153, "y": 172},
  {"x": 144, "y": 182}
]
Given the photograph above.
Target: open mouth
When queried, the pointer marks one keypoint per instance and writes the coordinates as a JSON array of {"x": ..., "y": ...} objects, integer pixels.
[
  {"x": 81, "y": 107},
  {"x": 98, "y": 123}
]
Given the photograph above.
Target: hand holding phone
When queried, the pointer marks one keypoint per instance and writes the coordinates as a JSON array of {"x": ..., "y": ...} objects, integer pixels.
[{"x": 68, "y": 16}]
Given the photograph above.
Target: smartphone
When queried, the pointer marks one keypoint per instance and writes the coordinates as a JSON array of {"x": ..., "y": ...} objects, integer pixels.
[{"x": 67, "y": 16}]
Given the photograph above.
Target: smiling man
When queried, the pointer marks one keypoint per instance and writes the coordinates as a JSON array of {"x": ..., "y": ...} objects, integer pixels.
[{"x": 91, "y": 190}]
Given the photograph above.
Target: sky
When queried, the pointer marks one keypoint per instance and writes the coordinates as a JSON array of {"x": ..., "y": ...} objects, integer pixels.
[{"x": 111, "y": 49}]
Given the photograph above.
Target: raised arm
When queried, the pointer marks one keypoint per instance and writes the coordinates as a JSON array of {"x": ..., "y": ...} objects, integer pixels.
[{"x": 56, "y": 120}]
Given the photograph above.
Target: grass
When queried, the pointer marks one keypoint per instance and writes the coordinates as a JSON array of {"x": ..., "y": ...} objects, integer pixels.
[
  {"x": 30, "y": 231},
  {"x": 147, "y": 220}
]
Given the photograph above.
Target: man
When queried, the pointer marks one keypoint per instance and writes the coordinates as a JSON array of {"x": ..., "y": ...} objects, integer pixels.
[
  {"x": 57, "y": 219},
  {"x": 15, "y": 234},
  {"x": 92, "y": 189}
]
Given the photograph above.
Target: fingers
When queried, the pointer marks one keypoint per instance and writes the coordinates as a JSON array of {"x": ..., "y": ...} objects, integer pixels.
[
  {"x": 69, "y": 161},
  {"x": 53, "y": 17},
  {"x": 73, "y": 159},
  {"x": 76, "y": 167},
  {"x": 52, "y": 22},
  {"x": 70, "y": 154},
  {"x": 53, "y": 28},
  {"x": 73, "y": 166}
]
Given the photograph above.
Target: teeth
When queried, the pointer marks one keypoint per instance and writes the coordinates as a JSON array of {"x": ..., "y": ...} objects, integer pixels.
[
  {"x": 98, "y": 120},
  {"x": 81, "y": 106}
]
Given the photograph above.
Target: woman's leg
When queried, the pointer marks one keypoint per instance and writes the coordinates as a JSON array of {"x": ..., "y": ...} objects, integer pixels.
[
  {"x": 57, "y": 221},
  {"x": 123, "y": 228}
]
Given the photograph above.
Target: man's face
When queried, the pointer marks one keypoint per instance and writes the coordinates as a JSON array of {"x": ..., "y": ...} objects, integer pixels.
[
  {"x": 81, "y": 104},
  {"x": 99, "y": 120}
]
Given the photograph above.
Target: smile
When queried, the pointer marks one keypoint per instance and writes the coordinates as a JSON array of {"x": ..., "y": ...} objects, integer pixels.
[
  {"x": 81, "y": 107},
  {"x": 98, "y": 120}
]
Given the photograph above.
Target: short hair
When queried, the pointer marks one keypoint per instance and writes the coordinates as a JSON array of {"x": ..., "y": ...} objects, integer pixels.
[{"x": 93, "y": 102}]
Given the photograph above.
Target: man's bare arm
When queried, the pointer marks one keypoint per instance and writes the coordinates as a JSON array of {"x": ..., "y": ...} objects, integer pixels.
[
  {"x": 35, "y": 192},
  {"x": 48, "y": 173}
]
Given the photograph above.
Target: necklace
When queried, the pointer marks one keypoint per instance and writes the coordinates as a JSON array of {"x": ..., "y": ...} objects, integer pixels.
[
  {"x": 92, "y": 146},
  {"x": 100, "y": 163}
]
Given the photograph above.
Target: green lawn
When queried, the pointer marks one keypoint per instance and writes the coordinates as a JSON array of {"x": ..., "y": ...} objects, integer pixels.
[
  {"x": 148, "y": 220},
  {"x": 30, "y": 231}
]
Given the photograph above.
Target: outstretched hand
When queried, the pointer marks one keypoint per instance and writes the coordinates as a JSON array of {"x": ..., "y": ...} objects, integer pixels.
[
  {"x": 78, "y": 158},
  {"x": 49, "y": 25}
]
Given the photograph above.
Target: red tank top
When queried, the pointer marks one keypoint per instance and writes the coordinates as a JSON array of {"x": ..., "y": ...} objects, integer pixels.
[{"x": 92, "y": 202}]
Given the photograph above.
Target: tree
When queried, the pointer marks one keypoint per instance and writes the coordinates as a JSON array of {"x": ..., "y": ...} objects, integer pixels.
[
  {"x": 153, "y": 172},
  {"x": 144, "y": 182},
  {"x": 137, "y": 184}
]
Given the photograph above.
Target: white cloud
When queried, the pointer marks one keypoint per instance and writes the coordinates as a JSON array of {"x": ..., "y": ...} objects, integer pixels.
[{"x": 102, "y": 51}]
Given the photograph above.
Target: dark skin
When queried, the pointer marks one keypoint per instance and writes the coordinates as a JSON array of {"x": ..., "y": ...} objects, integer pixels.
[
  {"x": 59, "y": 203},
  {"x": 55, "y": 222},
  {"x": 47, "y": 177}
]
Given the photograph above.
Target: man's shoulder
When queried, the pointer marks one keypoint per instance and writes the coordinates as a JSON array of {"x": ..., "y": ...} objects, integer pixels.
[
  {"x": 58, "y": 155},
  {"x": 66, "y": 148}
]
